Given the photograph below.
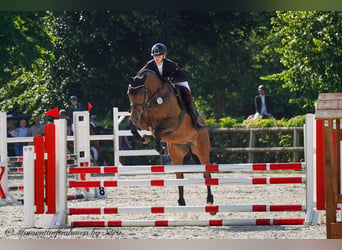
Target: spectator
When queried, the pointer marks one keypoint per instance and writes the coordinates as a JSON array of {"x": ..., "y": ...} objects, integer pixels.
[
  {"x": 95, "y": 150},
  {"x": 22, "y": 131},
  {"x": 126, "y": 143},
  {"x": 97, "y": 129},
  {"x": 37, "y": 128},
  {"x": 10, "y": 129},
  {"x": 10, "y": 133},
  {"x": 263, "y": 104},
  {"x": 75, "y": 106},
  {"x": 45, "y": 120},
  {"x": 165, "y": 159},
  {"x": 63, "y": 115}
]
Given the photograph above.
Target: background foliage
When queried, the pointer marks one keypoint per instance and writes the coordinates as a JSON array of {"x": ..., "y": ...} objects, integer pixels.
[{"x": 48, "y": 56}]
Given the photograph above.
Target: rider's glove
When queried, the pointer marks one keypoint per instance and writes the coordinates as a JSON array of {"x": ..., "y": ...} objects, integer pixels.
[{"x": 167, "y": 79}]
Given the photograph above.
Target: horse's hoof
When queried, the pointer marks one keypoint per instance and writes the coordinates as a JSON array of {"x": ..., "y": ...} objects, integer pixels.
[
  {"x": 181, "y": 202},
  {"x": 210, "y": 202},
  {"x": 210, "y": 199}
]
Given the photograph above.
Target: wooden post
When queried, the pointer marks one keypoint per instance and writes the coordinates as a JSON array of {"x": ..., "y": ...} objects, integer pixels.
[
  {"x": 295, "y": 144},
  {"x": 329, "y": 109},
  {"x": 251, "y": 145}
]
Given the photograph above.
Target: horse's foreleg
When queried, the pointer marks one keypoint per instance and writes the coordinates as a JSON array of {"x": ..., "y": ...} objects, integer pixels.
[
  {"x": 160, "y": 149},
  {"x": 181, "y": 200},
  {"x": 135, "y": 133},
  {"x": 177, "y": 153}
]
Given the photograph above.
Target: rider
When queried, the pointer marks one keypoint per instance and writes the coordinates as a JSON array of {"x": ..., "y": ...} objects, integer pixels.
[{"x": 170, "y": 72}]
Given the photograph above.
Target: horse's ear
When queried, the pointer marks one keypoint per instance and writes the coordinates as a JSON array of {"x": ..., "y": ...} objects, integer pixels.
[
  {"x": 128, "y": 78},
  {"x": 141, "y": 78}
]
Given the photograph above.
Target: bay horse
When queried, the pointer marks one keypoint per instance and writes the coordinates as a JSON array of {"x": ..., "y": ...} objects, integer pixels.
[{"x": 155, "y": 107}]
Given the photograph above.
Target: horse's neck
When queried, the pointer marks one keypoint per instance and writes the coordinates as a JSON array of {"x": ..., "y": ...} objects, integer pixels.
[{"x": 153, "y": 83}]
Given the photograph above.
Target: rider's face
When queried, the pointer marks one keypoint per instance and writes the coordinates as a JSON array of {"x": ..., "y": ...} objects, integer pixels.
[{"x": 159, "y": 59}]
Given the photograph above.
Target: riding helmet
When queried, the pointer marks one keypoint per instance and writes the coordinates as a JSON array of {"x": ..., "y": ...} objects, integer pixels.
[
  {"x": 261, "y": 87},
  {"x": 158, "y": 49}
]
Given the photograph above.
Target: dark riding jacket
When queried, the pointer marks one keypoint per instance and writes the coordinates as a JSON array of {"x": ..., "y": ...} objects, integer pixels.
[
  {"x": 170, "y": 69},
  {"x": 268, "y": 103}
]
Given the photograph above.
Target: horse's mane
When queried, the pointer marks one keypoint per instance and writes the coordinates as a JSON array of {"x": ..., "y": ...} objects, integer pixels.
[
  {"x": 144, "y": 72},
  {"x": 139, "y": 80}
]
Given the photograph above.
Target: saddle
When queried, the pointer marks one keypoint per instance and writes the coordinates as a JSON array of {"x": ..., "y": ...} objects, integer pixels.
[{"x": 177, "y": 92}]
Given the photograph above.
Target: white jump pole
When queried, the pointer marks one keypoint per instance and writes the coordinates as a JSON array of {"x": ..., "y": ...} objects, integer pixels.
[
  {"x": 118, "y": 117},
  {"x": 311, "y": 215},
  {"x": 81, "y": 138},
  {"x": 82, "y": 142},
  {"x": 29, "y": 207},
  {"x": 60, "y": 218},
  {"x": 116, "y": 138}
]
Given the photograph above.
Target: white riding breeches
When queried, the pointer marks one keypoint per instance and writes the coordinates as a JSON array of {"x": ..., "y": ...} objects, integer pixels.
[{"x": 183, "y": 84}]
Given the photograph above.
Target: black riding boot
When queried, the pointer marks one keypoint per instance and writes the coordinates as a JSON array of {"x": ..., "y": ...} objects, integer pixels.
[
  {"x": 191, "y": 108},
  {"x": 194, "y": 116}
]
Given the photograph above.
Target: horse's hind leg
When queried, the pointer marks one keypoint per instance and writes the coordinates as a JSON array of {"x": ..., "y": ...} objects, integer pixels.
[
  {"x": 202, "y": 150},
  {"x": 181, "y": 200},
  {"x": 210, "y": 197},
  {"x": 177, "y": 154},
  {"x": 206, "y": 175}
]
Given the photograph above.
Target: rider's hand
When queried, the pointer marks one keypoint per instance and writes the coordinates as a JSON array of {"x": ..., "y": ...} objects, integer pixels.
[{"x": 167, "y": 79}]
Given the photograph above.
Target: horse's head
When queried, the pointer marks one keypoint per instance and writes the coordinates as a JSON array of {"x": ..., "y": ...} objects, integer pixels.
[{"x": 140, "y": 90}]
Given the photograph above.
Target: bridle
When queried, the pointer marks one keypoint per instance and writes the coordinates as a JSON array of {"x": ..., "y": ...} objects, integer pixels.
[{"x": 149, "y": 98}]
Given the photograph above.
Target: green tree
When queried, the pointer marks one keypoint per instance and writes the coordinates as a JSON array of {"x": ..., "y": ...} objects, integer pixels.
[
  {"x": 26, "y": 53},
  {"x": 221, "y": 60},
  {"x": 94, "y": 48},
  {"x": 310, "y": 47}
]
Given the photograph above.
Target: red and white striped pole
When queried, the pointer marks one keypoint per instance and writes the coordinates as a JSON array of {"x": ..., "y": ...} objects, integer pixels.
[
  {"x": 187, "y": 168},
  {"x": 181, "y": 182},
  {"x": 186, "y": 209},
  {"x": 175, "y": 223}
]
